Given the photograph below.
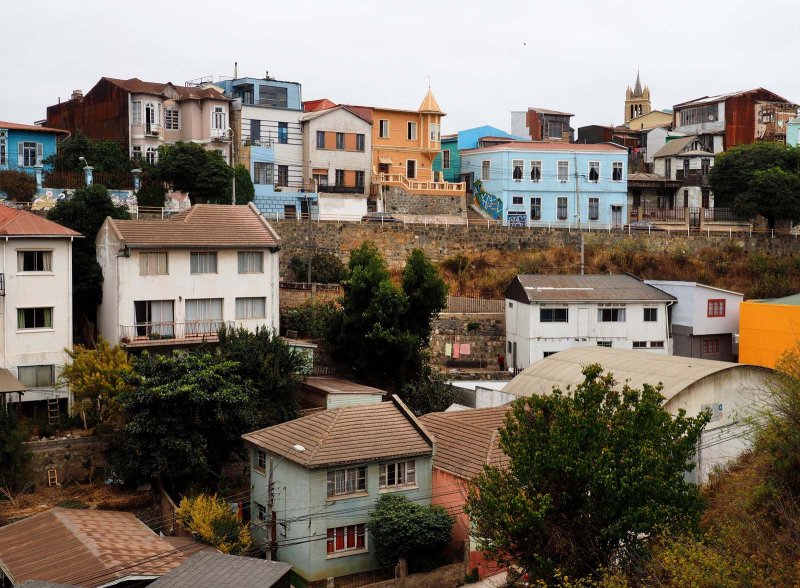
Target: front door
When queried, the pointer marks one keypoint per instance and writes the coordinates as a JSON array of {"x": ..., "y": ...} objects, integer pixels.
[
  {"x": 616, "y": 216},
  {"x": 411, "y": 169}
]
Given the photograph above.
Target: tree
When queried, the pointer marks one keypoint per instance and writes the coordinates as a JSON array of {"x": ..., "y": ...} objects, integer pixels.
[
  {"x": 426, "y": 291},
  {"x": 399, "y": 528},
  {"x": 211, "y": 519},
  {"x": 192, "y": 168},
  {"x": 245, "y": 191},
  {"x": 594, "y": 474},
  {"x": 326, "y": 268},
  {"x": 96, "y": 377},
  {"x": 773, "y": 193},
  {"x": 14, "y": 456},
  {"x": 186, "y": 413},
  {"x": 103, "y": 156},
  {"x": 85, "y": 212},
  {"x": 430, "y": 393},
  {"x": 19, "y": 186},
  {"x": 269, "y": 369}
]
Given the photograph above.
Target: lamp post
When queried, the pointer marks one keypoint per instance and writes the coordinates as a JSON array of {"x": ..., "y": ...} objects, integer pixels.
[{"x": 271, "y": 500}]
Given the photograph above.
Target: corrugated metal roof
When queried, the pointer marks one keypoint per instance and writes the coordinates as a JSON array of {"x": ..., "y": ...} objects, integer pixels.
[
  {"x": 578, "y": 288},
  {"x": 675, "y": 146},
  {"x": 633, "y": 367},
  {"x": 217, "y": 570}
]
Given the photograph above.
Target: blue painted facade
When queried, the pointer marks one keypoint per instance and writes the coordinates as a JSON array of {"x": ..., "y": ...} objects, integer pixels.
[
  {"x": 273, "y": 201},
  {"x": 23, "y": 149},
  {"x": 466, "y": 139},
  {"x": 793, "y": 132},
  {"x": 551, "y": 200},
  {"x": 254, "y": 91}
]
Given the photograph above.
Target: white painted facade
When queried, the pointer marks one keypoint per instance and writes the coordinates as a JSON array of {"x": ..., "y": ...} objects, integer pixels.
[
  {"x": 691, "y": 310},
  {"x": 707, "y": 127},
  {"x": 655, "y": 139},
  {"x": 528, "y": 339},
  {"x": 27, "y": 347},
  {"x": 342, "y": 206}
]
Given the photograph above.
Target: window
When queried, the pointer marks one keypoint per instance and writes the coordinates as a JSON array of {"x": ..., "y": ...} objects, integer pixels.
[
  {"x": 136, "y": 112},
  {"x": 347, "y": 481},
  {"x": 650, "y": 315},
  {"x": 360, "y": 179},
  {"x": 349, "y": 538},
  {"x": 273, "y": 96},
  {"x": 710, "y": 346},
  {"x": 553, "y": 315},
  {"x": 340, "y": 141},
  {"x": 562, "y": 208},
  {"x": 136, "y": 152},
  {"x": 509, "y": 346},
  {"x": 616, "y": 171},
  {"x": 563, "y": 171},
  {"x": 383, "y": 128},
  {"x": 700, "y": 114},
  {"x": 29, "y": 153},
  {"x": 283, "y": 175},
  {"x": 554, "y": 129},
  {"x": 705, "y": 166},
  {"x": 261, "y": 512},
  {"x": 251, "y": 262},
  {"x": 339, "y": 174},
  {"x": 668, "y": 168},
  {"x": 434, "y": 132},
  {"x": 283, "y": 133},
  {"x": 517, "y": 200},
  {"x": 34, "y": 261},
  {"x": 203, "y": 262},
  {"x": 255, "y": 131},
  {"x": 35, "y": 318},
  {"x": 219, "y": 119},
  {"x": 400, "y": 473},
  {"x": 536, "y": 171},
  {"x": 151, "y": 115},
  {"x": 656, "y": 344},
  {"x": 411, "y": 131},
  {"x": 486, "y": 170},
  {"x": 251, "y": 308},
  {"x": 536, "y": 208},
  {"x": 320, "y": 139},
  {"x": 611, "y": 315},
  {"x": 290, "y": 211},
  {"x": 594, "y": 171},
  {"x": 411, "y": 169},
  {"x": 3, "y": 147},
  {"x": 263, "y": 173},
  {"x": 153, "y": 263},
  {"x": 716, "y": 307},
  {"x": 151, "y": 155},
  {"x": 445, "y": 159},
  {"x": 604, "y": 343},
  {"x": 260, "y": 459},
  {"x": 203, "y": 315},
  {"x": 640, "y": 344},
  {"x": 154, "y": 318},
  {"x": 37, "y": 376},
  {"x": 172, "y": 119},
  {"x": 516, "y": 170},
  {"x": 594, "y": 208},
  {"x": 360, "y": 142}
]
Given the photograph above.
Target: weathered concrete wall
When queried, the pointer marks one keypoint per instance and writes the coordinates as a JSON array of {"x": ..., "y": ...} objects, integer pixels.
[
  {"x": 76, "y": 459},
  {"x": 297, "y": 294},
  {"x": 485, "y": 335},
  {"x": 400, "y": 202}
]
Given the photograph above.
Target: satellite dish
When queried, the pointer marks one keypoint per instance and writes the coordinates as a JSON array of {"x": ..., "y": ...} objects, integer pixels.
[{"x": 710, "y": 117}]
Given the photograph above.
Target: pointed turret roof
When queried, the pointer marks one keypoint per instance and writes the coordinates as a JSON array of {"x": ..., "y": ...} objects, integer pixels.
[
  {"x": 637, "y": 89},
  {"x": 429, "y": 104}
]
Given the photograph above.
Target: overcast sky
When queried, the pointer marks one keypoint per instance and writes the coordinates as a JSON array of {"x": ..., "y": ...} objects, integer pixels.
[{"x": 484, "y": 59}]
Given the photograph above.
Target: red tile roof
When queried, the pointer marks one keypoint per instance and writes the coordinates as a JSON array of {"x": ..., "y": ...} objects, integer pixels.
[
  {"x": 202, "y": 226},
  {"x": 21, "y": 223},
  {"x": 315, "y": 105},
  {"x": 549, "y": 146},
  {"x": 34, "y": 128}
]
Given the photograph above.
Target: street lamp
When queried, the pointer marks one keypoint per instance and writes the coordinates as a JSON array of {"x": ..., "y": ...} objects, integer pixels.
[{"x": 271, "y": 499}]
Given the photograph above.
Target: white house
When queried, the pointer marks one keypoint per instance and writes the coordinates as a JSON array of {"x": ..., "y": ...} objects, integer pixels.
[
  {"x": 704, "y": 321},
  {"x": 176, "y": 281},
  {"x": 36, "y": 302},
  {"x": 688, "y": 160},
  {"x": 546, "y": 314}
]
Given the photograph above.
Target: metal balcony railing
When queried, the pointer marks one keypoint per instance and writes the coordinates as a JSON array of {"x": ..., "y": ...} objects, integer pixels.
[{"x": 171, "y": 333}]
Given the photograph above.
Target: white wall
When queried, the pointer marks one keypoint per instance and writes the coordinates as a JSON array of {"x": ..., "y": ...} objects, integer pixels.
[
  {"x": 518, "y": 124},
  {"x": 342, "y": 121},
  {"x": 691, "y": 310},
  {"x": 342, "y": 206}
]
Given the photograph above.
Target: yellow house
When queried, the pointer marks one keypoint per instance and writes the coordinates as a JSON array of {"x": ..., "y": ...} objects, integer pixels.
[
  {"x": 654, "y": 118},
  {"x": 767, "y": 329},
  {"x": 404, "y": 145}
]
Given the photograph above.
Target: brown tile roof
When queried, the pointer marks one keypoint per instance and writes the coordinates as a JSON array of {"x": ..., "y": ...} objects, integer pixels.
[
  {"x": 85, "y": 547},
  {"x": 202, "y": 226},
  {"x": 354, "y": 434},
  {"x": 34, "y": 128},
  {"x": 577, "y": 288},
  {"x": 218, "y": 570},
  {"x": 137, "y": 86},
  {"x": 21, "y": 223},
  {"x": 329, "y": 385},
  {"x": 467, "y": 440}
]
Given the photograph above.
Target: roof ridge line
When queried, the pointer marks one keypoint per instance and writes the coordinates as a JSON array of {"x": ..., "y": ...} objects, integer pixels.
[{"x": 325, "y": 434}]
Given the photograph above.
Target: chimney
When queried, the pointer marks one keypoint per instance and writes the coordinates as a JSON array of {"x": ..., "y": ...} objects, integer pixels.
[{"x": 76, "y": 94}]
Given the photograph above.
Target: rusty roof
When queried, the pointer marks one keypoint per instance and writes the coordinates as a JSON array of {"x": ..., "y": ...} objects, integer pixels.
[
  {"x": 210, "y": 226},
  {"x": 137, "y": 86},
  {"x": 85, "y": 547},
  {"x": 21, "y": 223},
  {"x": 353, "y": 434},
  {"x": 217, "y": 570},
  {"x": 577, "y": 288},
  {"x": 33, "y": 128},
  {"x": 467, "y": 440}
]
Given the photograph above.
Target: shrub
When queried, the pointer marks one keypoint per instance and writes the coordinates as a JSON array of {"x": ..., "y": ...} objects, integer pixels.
[
  {"x": 14, "y": 455},
  {"x": 18, "y": 186},
  {"x": 151, "y": 192},
  {"x": 211, "y": 519},
  {"x": 326, "y": 268},
  {"x": 311, "y": 319}
]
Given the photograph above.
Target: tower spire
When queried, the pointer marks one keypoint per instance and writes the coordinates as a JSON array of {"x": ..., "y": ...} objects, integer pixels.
[{"x": 637, "y": 89}]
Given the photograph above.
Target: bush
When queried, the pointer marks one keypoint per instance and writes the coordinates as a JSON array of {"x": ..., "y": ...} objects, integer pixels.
[
  {"x": 18, "y": 186},
  {"x": 151, "y": 193},
  {"x": 211, "y": 519},
  {"x": 311, "y": 319},
  {"x": 326, "y": 268},
  {"x": 431, "y": 393},
  {"x": 14, "y": 456}
]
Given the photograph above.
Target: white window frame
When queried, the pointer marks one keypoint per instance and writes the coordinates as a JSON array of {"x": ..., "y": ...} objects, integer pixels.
[
  {"x": 406, "y": 479},
  {"x": 617, "y": 165},
  {"x": 156, "y": 116},
  {"x": 593, "y": 164},
  {"x": 559, "y": 207},
  {"x": 536, "y": 164},
  {"x": 153, "y": 263},
  {"x": 137, "y": 113},
  {"x": 172, "y": 123},
  {"x": 486, "y": 170},
  {"x": 434, "y": 132},
  {"x": 611, "y": 314},
  {"x": 251, "y": 307},
  {"x": 259, "y": 459},
  {"x": 536, "y": 201},
  {"x": 136, "y": 152},
  {"x": 346, "y": 481},
  {"x": 42, "y": 257},
  {"x": 517, "y": 164},
  {"x": 517, "y": 200},
  {"x": 383, "y": 129},
  {"x": 151, "y": 155},
  {"x": 333, "y": 532},
  {"x": 44, "y": 310},
  {"x": 411, "y": 130},
  {"x": 594, "y": 208},
  {"x": 562, "y": 164},
  {"x": 445, "y": 159},
  {"x": 219, "y": 119},
  {"x": 29, "y": 153}
]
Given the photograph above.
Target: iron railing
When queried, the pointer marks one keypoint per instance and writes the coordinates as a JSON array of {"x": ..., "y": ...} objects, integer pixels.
[
  {"x": 664, "y": 214},
  {"x": 157, "y": 333}
]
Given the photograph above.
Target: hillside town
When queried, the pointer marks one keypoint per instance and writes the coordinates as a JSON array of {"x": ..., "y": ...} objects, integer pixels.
[{"x": 255, "y": 337}]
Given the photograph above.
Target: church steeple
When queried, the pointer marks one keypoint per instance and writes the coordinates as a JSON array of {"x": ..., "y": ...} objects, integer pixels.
[
  {"x": 637, "y": 100},
  {"x": 637, "y": 89}
]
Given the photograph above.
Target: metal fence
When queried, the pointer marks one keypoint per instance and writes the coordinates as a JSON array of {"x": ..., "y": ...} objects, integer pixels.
[{"x": 473, "y": 305}]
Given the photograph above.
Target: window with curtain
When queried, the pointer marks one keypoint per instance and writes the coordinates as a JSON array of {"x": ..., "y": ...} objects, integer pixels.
[
  {"x": 251, "y": 308},
  {"x": 347, "y": 481},
  {"x": 594, "y": 171},
  {"x": 536, "y": 171},
  {"x": 594, "y": 208},
  {"x": 154, "y": 318},
  {"x": 563, "y": 171},
  {"x": 34, "y": 261},
  {"x": 153, "y": 263},
  {"x": 35, "y": 318},
  {"x": 203, "y": 262},
  {"x": 203, "y": 315},
  {"x": 561, "y": 210},
  {"x": 251, "y": 262},
  {"x": 516, "y": 170},
  {"x": 263, "y": 173},
  {"x": 37, "y": 376}
]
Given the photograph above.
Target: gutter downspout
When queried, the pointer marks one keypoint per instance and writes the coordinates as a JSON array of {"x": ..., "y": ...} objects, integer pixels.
[{"x": 669, "y": 323}]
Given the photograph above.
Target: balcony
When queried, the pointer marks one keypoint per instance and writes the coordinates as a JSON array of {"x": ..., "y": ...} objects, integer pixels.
[
  {"x": 223, "y": 135},
  {"x": 693, "y": 177},
  {"x": 171, "y": 333},
  {"x": 432, "y": 188},
  {"x": 341, "y": 189},
  {"x": 152, "y": 130}
]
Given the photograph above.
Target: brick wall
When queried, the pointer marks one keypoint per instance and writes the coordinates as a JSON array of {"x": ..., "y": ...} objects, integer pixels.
[{"x": 76, "y": 459}]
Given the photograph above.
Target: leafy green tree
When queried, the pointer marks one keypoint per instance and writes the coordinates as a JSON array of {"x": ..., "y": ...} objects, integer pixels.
[
  {"x": 399, "y": 528},
  {"x": 594, "y": 475},
  {"x": 186, "y": 413},
  {"x": 429, "y": 393},
  {"x": 773, "y": 193},
  {"x": 269, "y": 369},
  {"x": 152, "y": 191},
  {"x": 14, "y": 456},
  {"x": 426, "y": 291},
  {"x": 311, "y": 319},
  {"x": 103, "y": 156},
  {"x": 85, "y": 212},
  {"x": 245, "y": 191},
  {"x": 192, "y": 168}
]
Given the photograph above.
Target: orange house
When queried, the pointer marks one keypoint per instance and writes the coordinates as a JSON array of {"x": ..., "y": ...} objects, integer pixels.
[
  {"x": 465, "y": 442},
  {"x": 767, "y": 329},
  {"x": 404, "y": 145}
]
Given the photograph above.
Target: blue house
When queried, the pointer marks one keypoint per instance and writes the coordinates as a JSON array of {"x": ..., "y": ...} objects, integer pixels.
[
  {"x": 526, "y": 183},
  {"x": 23, "y": 147},
  {"x": 269, "y": 134},
  {"x": 448, "y": 162},
  {"x": 792, "y": 132}
]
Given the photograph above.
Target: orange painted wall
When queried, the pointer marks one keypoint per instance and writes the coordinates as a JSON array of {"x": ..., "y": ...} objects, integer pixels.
[
  {"x": 398, "y": 147},
  {"x": 766, "y": 331}
]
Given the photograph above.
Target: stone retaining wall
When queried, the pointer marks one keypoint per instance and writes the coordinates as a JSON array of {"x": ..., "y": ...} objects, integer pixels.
[
  {"x": 485, "y": 335},
  {"x": 399, "y": 202},
  {"x": 76, "y": 459}
]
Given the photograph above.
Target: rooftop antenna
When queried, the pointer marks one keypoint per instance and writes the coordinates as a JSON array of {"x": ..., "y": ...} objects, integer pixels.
[{"x": 235, "y": 70}]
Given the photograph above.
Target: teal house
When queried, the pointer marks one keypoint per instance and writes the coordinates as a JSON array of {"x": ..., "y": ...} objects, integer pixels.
[
  {"x": 327, "y": 471},
  {"x": 26, "y": 147},
  {"x": 792, "y": 132},
  {"x": 448, "y": 162}
]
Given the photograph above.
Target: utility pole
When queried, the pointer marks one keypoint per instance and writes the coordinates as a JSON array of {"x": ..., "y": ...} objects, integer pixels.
[
  {"x": 233, "y": 197},
  {"x": 583, "y": 264},
  {"x": 270, "y": 512},
  {"x": 577, "y": 192}
]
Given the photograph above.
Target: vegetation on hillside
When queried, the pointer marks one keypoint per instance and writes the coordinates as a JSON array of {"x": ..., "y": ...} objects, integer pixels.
[{"x": 211, "y": 519}]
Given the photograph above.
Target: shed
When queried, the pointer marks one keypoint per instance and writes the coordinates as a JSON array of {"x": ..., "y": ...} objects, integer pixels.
[{"x": 330, "y": 392}]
